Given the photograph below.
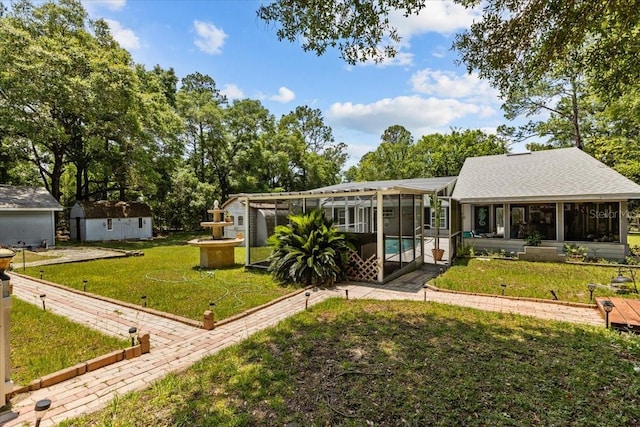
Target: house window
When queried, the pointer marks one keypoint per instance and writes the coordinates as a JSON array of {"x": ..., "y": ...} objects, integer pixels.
[
  {"x": 240, "y": 220},
  {"x": 527, "y": 219},
  {"x": 139, "y": 222},
  {"x": 109, "y": 224},
  {"x": 592, "y": 222},
  {"x": 481, "y": 219},
  {"x": 443, "y": 218}
]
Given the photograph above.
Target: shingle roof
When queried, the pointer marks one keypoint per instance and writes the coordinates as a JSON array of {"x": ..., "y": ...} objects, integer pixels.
[
  {"x": 18, "y": 198},
  {"x": 108, "y": 209},
  {"x": 560, "y": 174}
]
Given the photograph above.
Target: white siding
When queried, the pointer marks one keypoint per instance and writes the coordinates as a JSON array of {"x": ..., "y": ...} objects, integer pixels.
[
  {"x": 123, "y": 229},
  {"x": 32, "y": 227}
]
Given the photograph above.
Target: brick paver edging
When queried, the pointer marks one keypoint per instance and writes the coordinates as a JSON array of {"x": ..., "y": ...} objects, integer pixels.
[
  {"x": 540, "y": 300},
  {"x": 163, "y": 314},
  {"x": 82, "y": 368}
]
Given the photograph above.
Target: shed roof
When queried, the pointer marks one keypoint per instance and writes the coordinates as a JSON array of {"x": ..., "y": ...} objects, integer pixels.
[
  {"x": 109, "y": 209},
  {"x": 552, "y": 175},
  {"x": 22, "y": 198}
]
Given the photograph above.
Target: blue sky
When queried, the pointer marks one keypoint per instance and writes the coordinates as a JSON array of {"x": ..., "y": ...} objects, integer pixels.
[{"x": 422, "y": 89}]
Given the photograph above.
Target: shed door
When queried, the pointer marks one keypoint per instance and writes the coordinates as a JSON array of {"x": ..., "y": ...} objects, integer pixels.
[{"x": 78, "y": 230}]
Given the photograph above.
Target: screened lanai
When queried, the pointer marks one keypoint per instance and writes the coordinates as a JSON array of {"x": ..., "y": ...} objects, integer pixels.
[{"x": 390, "y": 222}]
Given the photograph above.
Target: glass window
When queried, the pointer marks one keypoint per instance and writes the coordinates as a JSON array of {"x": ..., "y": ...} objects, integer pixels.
[
  {"x": 595, "y": 222},
  {"x": 498, "y": 215},
  {"x": 533, "y": 218},
  {"x": 139, "y": 222},
  {"x": 240, "y": 220},
  {"x": 109, "y": 224},
  {"x": 481, "y": 219}
]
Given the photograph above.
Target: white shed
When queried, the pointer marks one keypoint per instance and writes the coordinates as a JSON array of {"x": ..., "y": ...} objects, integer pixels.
[
  {"x": 27, "y": 215},
  {"x": 106, "y": 220}
]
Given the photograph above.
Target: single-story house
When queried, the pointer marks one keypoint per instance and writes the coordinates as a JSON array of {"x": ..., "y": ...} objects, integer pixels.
[
  {"x": 107, "y": 220},
  {"x": 562, "y": 195},
  {"x": 27, "y": 216}
]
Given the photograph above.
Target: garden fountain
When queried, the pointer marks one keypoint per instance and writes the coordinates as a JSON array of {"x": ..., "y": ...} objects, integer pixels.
[{"x": 217, "y": 251}]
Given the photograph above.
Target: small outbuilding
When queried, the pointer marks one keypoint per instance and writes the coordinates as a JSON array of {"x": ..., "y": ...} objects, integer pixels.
[
  {"x": 27, "y": 216},
  {"x": 107, "y": 220}
]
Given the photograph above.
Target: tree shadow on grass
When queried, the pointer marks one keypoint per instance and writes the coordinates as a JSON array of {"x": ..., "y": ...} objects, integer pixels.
[{"x": 391, "y": 363}]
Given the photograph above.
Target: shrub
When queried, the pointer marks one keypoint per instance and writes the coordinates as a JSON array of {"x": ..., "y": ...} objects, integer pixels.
[{"x": 309, "y": 251}]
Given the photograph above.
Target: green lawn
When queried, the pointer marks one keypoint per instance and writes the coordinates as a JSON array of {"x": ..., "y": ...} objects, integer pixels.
[
  {"x": 170, "y": 278},
  {"x": 43, "y": 343},
  {"x": 360, "y": 363},
  {"x": 528, "y": 279}
]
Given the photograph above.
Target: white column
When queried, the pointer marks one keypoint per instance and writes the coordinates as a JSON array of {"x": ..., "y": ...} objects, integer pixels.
[
  {"x": 247, "y": 221},
  {"x": 560, "y": 222},
  {"x": 5, "y": 366},
  {"x": 380, "y": 237}
]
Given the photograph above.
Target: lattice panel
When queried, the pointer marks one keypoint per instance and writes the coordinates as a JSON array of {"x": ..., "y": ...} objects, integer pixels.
[{"x": 363, "y": 270}]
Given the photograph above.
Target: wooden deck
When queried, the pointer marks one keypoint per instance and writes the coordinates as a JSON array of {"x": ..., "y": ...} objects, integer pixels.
[{"x": 625, "y": 315}]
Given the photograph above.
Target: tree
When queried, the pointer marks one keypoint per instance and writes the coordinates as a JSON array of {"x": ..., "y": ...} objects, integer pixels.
[
  {"x": 185, "y": 202},
  {"x": 393, "y": 159},
  {"x": 240, "y": 154},
  {"x": 444, "y": 155},
  {"x": 71, "y": 99},
  {"x": 314, "y": 158},
  {"x": 355, "y": 27},
  {"x": 309, "y": 251},
  {"x": 512, "y": 39},
  {"x": 200, "y": 104},
  {"x": 524, "y": 40}
]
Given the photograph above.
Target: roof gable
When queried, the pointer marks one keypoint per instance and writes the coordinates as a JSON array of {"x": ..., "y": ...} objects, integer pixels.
[
  {"x": 560, "y": 174},
  {"x": 17, "y": 197}
]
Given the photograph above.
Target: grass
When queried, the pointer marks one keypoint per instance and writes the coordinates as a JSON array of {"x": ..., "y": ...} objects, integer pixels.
[
  {"x": 359, "y": 363},
  {"x": 528, "y": 279},
  {"x": 170, "y": 278},
  {"x": 43, "y": 342}
]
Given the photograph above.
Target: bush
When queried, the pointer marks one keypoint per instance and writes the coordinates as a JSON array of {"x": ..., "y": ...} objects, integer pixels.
[{"x": 309, "y": 251}]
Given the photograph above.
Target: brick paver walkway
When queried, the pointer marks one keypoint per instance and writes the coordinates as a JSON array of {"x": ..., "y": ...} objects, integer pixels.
[{"x": 175, "y": 346}]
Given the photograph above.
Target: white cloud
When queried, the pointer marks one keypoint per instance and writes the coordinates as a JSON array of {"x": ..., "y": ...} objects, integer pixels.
[
  {"x": 232, "y": 91},
  {"x": 419, "y": 115},
  {"x": 444, "y": 17},
  {"x": 210, "y": 38},
  {"x": 402, "y": 59},
  {"x": 452, "y": 85},
  {"x": 284, "y": 95},
  {"x": 125, "y": 36}
]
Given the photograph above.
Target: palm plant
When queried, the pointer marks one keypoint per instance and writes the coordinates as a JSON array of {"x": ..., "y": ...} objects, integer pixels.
[{"x": 310, "y": 250}]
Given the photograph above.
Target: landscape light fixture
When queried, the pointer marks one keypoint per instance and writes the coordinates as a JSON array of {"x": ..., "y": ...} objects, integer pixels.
[
  {"x": 346, "y": 293},
  {"x": 132, "y": 333},
  {"x": 41, "y": 272},
  {"x": 591, "y": 287},
  {"x": 42, "y": 298},
  {"x": 41, "y": 408},
  {"x": 425, "y": 291},
  {"x": 306, "y": 301},
  {"x": 621, "y": 284},
  {"x": 84, "y": 285},
  {"x": 608, "y": 307},
  {"x": 503, "y": 286},
  {"x": 144, "y": 300}
]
